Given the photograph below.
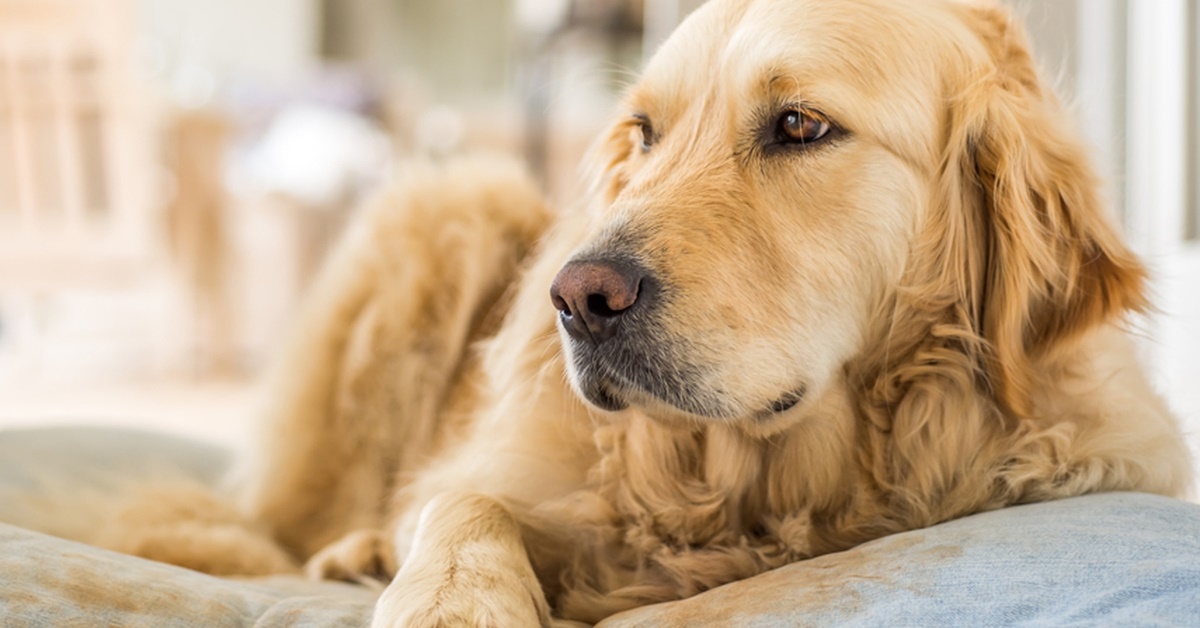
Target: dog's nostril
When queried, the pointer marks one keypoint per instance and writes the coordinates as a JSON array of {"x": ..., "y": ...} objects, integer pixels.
[
  {"x": 597, "y": 304},
  {"x": 560, "y": 303}
]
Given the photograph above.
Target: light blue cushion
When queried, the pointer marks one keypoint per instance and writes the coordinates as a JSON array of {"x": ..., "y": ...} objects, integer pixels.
[
  {"x": 49, "y": 582},
  {"x": 1122, "y": 559},
  {"x": 47, "y": 470},
  {"x": 77, "y": 453}
]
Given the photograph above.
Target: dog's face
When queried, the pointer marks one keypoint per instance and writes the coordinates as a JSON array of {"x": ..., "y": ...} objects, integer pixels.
[{"x": 768, "y": 189}]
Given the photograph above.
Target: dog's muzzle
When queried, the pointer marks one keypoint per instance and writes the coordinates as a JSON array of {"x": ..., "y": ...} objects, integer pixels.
[{"x": 611, "y": 310}]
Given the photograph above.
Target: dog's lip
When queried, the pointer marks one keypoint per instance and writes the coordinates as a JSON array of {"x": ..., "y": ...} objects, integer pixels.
[
  {"x": 612, "y": 392},
  {"x": 616, "y": 377}
]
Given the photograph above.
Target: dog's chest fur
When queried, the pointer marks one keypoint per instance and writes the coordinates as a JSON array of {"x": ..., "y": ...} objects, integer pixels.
[{"x": 687, "y": 510}]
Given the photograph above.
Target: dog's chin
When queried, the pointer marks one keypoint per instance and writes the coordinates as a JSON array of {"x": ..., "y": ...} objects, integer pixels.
[
  {"x": 612, "y": 393},
  {"x": 611, "y": 396},
  {"x": 615, "y": 394},
  {"x": 659, "y": 385}
]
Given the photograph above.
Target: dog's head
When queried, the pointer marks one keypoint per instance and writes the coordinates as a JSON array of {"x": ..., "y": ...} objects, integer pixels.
[{"x": 792, "y": 182}]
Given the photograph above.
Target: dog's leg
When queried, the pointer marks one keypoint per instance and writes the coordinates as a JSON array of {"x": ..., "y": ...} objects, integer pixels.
[
  {"x": 468, "y": 567},
  {"x": 360, "y": 396},
  {"x": 470, "y": 553},
  {"x": 186, "y": 524}
]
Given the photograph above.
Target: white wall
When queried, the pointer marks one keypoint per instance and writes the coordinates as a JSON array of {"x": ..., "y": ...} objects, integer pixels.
[{"x": 198, "y": 40}]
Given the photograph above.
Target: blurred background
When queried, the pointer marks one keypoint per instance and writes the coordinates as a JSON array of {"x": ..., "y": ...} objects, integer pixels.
[{"x": 172, "y": 171}]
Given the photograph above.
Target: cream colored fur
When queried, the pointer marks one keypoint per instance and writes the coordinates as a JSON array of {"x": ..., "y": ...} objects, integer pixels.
[{"x": 941, "y": 279}]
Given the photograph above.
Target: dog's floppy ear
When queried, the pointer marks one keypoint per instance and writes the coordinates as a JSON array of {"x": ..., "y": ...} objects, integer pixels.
[
  {"x": 604, "y": 164},
  {"x": 1034, "y": 255}
]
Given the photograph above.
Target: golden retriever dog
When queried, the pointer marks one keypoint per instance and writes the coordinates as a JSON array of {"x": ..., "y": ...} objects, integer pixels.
[{"x": 842, "y": 271}]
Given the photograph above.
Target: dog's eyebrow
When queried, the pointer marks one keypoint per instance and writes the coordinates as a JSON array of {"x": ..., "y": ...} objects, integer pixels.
[
  {"x": 778, "y": 79},
  {"x": 783, "y": 86}
]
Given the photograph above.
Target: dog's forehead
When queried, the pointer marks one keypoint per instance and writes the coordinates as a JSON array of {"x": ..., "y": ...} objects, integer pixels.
[{"x": 874, "y": 64}]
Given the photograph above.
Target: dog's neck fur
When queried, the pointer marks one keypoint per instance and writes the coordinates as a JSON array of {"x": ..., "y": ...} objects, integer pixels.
[{"x": 694, "y": 508}]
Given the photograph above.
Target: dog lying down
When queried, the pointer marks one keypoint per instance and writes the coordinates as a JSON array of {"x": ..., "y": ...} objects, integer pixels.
[{"x": 842, "y": 271}]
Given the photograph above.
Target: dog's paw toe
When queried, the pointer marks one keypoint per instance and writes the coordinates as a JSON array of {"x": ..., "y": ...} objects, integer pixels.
[{"x": 358, "y": 556}]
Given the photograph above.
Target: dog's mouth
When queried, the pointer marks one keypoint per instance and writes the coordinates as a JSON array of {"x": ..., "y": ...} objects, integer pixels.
[
  {"x": 674, "y": 391},
  {"x": 783, "y": 404},
  {"x": 629, "y": 358},
  {"x": 614, "y": 378}
]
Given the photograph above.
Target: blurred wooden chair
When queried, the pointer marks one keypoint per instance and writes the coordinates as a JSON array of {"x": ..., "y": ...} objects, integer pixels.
[
  {"x": 75, "y": 167},
  {"x": 77, "y": 190},
  {"x": 198, "y": 238}
]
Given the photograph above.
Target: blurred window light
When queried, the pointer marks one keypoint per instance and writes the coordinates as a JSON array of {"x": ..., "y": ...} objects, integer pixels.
[
  {"x": 318, "y": 155},
  {"x": 1192, "y": 226}
]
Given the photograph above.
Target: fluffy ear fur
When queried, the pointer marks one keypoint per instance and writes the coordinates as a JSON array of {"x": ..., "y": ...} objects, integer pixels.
[
  {"x": 605, "y": 162},
  {"x": 1032, "y": 253}
]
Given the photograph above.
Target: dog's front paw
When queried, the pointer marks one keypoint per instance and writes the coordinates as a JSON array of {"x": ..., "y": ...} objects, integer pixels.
[
  {"x": 468, "y": 567},
  {"x": 463, "y": 596}
]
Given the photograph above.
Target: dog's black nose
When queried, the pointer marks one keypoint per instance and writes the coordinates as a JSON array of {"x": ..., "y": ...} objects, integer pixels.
[{"x": 591, "y": 296}]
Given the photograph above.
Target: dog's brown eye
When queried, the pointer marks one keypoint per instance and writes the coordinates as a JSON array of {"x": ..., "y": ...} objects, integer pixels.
[
  {"x": 796, "y": 127},
  {"x": 646, "y": 131}
]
